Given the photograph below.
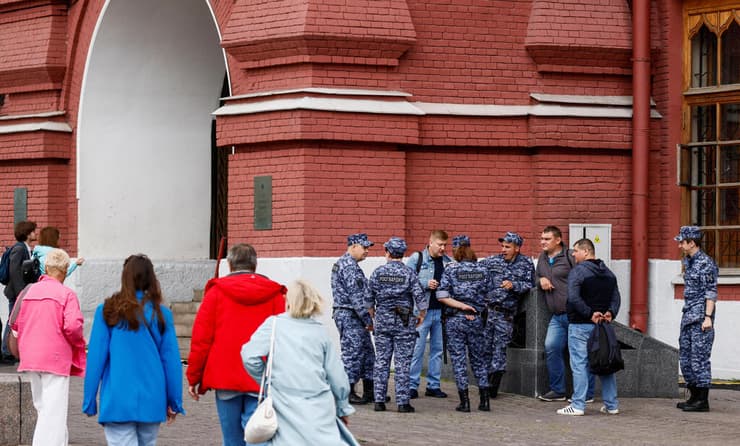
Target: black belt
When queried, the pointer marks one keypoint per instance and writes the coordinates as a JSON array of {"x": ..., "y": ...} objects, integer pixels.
[
  {"x": 454, "y": 311},
  {"x": 500, "y": 309}
]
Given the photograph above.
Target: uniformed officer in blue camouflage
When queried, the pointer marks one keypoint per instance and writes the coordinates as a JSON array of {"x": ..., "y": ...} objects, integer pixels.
[
  {"x": 348, "y": 286},
  {"x": 513, "y": 276},
  {"x": 393, "y": 291},
  {"x": 697, "y": 323},
  {"x": 465, "y": 289}
]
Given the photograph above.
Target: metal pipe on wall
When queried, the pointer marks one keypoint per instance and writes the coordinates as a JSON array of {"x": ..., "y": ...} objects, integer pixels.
[{"x": 640, "y": 148}]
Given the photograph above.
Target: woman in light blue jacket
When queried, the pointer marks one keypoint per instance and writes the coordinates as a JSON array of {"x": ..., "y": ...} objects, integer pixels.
[
  {"x": 309, "y": 388},
  {"x": 48, "y": 240}
]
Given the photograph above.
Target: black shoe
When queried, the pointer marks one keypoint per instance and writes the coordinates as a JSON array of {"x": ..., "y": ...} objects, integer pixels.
[
  {"x": 484, "y": 405},
  {"x": 692, "y": 398},
  {"x": 464, "y": 405},
  {"x": 406, "y": 408},
  {"x": 414, "y": 394},
  {"x": 8, "y": 359},
  {"x": 436, "y": 393},
  {"x": 494, "y": 380},
  {"x": 380, "y": 407},
  {"x": 701, "y": 404},
  {"x": 354, "y": 398}
]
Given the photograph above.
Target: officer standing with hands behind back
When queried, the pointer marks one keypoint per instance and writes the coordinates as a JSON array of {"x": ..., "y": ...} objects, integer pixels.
[{"x": 348, "y": 286}]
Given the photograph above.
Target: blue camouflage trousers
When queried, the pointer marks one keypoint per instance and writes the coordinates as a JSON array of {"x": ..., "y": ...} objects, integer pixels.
[
  {"x": 465, "y": 339},
  {"x": 358, "y": 354},
  {"x": 498, "y": 333},
  {"x": 398, "y": 344},
  {"x": 695, "y": 349}
]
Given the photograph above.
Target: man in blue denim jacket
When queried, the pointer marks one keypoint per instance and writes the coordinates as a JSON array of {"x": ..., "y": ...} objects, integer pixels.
[{"x": 429, "y": 270}]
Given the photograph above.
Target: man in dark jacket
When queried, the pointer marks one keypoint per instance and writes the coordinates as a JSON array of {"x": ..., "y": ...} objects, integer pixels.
[
  {"x": 553, "y": 267},
  {"x": 593, "y": 297},
  {"x": 25, "y": 234}
]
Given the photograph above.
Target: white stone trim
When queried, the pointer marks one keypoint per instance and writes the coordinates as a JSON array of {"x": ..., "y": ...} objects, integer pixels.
[
  {"x": 326, "y": 91},
  {"x": 49, "y": 114},
  {"x": 375, "y": 106},
  {"x": 321, "y": 104},
  {"x": 36, "y": 126},
  {"x": 618, "y": 101}
]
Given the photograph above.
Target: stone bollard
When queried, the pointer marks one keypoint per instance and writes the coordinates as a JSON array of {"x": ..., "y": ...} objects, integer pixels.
[{"x": 17, "y": 414}]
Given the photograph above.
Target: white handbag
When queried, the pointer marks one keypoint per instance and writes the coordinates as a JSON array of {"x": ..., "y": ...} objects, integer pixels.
[{"x": 263, "y": 423}]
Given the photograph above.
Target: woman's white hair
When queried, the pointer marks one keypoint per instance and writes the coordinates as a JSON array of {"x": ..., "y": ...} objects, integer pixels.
[
  {"x": 303, "y": 300},
  {"x": 58, "y": 260}
]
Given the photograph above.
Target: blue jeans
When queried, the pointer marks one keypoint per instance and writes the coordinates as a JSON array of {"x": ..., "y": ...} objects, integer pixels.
[
  {"x": 131, "y": 434},
  {"x": 233, "y": 413},
  {"x": 578, "y": 335},
  {"x": 556, "y": 341},
  {"x": 432, "y": 327}
]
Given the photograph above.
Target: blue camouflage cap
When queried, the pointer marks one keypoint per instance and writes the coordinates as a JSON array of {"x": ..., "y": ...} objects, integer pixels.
[
  {"x": 688, "y": 232},
  {"x": 359, "y": 238},
  {"x": 460, "y": 240},
  {"x": 512, "y": 237},
  {"x": 395, "y": 246}
]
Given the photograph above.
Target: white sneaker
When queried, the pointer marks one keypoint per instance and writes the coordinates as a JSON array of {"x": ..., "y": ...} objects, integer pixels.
[
  {"x": 570, "y": 410},
  {"x": 609, "y": 411}
]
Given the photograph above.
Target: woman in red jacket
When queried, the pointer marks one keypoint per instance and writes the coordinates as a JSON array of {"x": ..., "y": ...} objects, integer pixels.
[{"x": 233, "y": 307}]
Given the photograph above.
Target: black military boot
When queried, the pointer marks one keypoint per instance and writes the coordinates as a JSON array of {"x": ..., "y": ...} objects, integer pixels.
[
  {"x": 464, "y": 405},
  {"x": 494, "y": 381},
  {"x": 484, "y": 405},
  {"x": 379, "y": 407},
  {"x": 691, "y": 400},
  {"x": 354, "y": 398},
  {"x": 406, "y": 408},
  {"x": 368, "y": 388},
  {"x": 701, "y": 404}
]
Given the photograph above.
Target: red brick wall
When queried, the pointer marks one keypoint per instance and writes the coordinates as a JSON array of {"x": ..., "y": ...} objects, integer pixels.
[
  {"x": 724, "y": 292},
  {"x": 321, "y": 194},
  {"x": 46, "y": 184}
]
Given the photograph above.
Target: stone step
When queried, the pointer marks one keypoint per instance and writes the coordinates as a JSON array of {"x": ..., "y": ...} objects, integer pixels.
[
  {"x": 184, "y": 318},
  {"x": 183, "y": 342},
  {"x": 182, "y": 330},
  {"x": 185, "y": 307}
]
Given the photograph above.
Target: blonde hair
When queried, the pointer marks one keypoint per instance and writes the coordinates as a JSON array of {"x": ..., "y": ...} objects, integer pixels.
[
  {"x": 303, "y": 300},
  {"x": 57, "y": 259}
]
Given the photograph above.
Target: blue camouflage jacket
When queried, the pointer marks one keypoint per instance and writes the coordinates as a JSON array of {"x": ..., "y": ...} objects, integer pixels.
[
  {"x": 390, "y": 286},
  {"x": 348, "y": 287},
  {"x": 700, "y": 284},
  {"x": 467, "y": 282},
  {"x": 519, "y": 271}
]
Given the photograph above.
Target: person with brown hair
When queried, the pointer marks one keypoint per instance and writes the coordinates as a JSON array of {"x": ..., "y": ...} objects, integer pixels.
[
  {"x": 134, "y": 360},
  {"x": 25, "y": 234},
  {"x": 464, "y": 289},
  {"x": 48, "y": 240}
]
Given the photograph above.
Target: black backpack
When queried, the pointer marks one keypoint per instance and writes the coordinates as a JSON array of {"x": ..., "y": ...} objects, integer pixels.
[
  {"x": 31, "y": 269},
  {"x": 604, "y": 354},
  {"x": 5, "y": 266}
]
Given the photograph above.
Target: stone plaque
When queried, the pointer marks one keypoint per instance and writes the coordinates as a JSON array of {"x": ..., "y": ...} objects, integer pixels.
[
  {"x": 263, "y": 203},
  {"x": 20, "y": 204}
]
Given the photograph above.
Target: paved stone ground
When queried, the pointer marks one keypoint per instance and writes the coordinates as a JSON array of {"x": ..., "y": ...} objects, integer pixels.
[{"x": 514, "y": 420}]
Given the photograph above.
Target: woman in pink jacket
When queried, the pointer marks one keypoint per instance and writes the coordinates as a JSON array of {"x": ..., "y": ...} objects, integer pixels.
[{"x": 51, "y": 347}]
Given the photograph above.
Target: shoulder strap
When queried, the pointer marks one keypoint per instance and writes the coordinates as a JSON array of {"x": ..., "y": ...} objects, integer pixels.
[
  {"x": 569, "y": 257},
  {"x": 419, "y": 261},
  {"x": 267, "y": 375}
]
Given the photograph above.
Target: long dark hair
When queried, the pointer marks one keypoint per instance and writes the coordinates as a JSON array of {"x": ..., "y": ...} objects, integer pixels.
[{"x": 123, "y": 308}]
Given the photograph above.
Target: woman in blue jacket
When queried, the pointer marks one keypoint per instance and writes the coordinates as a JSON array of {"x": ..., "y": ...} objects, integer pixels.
[{"x": 134, "y": 359}]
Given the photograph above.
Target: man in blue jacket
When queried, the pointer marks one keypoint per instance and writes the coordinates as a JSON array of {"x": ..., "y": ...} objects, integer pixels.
[
  {"x": 429, "y": 265},
  {"x": 593, "y": 297}
]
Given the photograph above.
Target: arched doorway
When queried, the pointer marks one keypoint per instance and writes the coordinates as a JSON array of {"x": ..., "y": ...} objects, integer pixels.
[{"x": 154, "y": 74}]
